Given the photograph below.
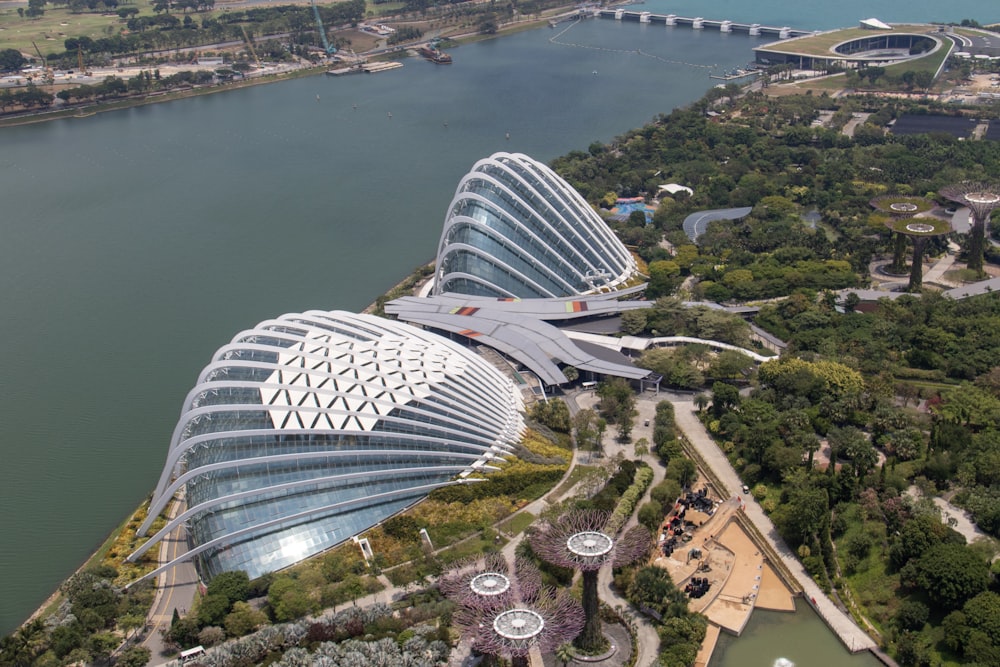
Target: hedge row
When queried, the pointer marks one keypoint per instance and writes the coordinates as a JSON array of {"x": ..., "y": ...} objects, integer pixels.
[{"x": 629, "y": 499}]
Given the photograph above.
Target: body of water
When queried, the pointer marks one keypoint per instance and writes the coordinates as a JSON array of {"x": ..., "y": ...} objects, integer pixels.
[
  {"x": 779, "y": 639},
  {"x": 134, "y": 244}
]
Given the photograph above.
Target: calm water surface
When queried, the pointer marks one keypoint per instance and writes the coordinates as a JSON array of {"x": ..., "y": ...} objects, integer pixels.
[
  {"x": 134, "y": 244},
  {"x": 778, "y": 639}
]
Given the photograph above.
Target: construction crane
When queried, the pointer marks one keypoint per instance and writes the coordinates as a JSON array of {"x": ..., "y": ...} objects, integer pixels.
[
  {"x": 79, "y": 60},
  {"x": 327, "y": 46},
  {"x": 49, "y": 77},
  {"x": 253, "y": 51}
]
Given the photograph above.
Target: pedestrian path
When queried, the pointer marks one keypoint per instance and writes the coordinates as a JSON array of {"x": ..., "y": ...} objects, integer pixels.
[{"x": 852, "y": 636}]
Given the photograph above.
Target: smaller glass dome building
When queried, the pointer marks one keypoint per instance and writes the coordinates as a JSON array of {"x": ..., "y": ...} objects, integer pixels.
[
  {"x": 310, "y": 428},
  {"x": 517, "y": 229}
]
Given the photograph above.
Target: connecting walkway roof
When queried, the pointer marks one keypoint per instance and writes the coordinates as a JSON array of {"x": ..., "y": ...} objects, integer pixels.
[{"x": 518, "y": 328}]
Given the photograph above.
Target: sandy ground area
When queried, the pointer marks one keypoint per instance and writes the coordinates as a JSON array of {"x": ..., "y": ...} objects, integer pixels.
[{"x": 741, "y": 580}]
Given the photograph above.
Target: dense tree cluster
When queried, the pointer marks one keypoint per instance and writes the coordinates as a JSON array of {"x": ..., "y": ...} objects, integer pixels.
[
  {"x": 810, "y": 228},
  {"x": 93, "y": 621}
]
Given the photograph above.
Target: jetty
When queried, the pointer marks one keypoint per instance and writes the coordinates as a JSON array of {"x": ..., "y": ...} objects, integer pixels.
[{"x": 699, "y": 23}]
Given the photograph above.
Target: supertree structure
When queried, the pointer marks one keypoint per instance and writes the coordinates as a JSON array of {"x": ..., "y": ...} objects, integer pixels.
[
  {"x": 981, "y": 199},
  {"x": 900, "y": 206},
  {"x": 578, "y": 540},
  {"x": 919, "y": 229},
  {"x": 508, "y": 614}
]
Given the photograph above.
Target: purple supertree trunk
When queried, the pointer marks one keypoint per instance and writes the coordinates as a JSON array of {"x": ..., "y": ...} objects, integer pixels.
[
  {"x": 576, "y": 540},
  {"x": 550, "y": 621}
]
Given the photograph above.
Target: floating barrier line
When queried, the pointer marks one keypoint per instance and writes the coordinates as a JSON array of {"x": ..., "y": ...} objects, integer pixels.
[{"x": 555, "y": 40}]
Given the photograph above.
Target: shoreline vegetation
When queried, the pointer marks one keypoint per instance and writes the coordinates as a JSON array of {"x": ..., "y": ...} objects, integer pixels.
[{"x": 87, "y": 109}]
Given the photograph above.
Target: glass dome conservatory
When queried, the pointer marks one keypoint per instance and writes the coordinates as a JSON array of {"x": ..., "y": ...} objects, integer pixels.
[
  {"x": 311, "y": 428},
  {"x": 516, "y": 229}
]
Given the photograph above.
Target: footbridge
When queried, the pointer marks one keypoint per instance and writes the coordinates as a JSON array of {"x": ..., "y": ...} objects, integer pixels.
[{"x": 699, "y": 23}]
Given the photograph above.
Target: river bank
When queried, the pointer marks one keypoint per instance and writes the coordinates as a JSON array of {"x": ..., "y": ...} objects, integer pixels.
[{"x": 90, "y": 108}]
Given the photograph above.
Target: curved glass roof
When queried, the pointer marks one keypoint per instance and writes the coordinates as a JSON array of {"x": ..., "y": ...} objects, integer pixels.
[
  {"x": 311, "y": 428},
  {"x": 516, "y": 229}
]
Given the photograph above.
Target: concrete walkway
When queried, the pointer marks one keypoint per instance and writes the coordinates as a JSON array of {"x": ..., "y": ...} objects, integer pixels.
[
  {"x": 853, "y": 637},
  {"x": 648, "y": 641}
]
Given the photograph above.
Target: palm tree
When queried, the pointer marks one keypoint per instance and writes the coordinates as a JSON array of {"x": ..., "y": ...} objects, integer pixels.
[{"x": 701, "y": 401}]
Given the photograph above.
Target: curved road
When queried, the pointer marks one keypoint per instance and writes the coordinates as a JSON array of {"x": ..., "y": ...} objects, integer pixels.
[{"x": 175, "y": 589}]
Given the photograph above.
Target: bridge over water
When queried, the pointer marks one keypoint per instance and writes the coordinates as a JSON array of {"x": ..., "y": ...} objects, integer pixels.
[{"x": 699, "y": 23}]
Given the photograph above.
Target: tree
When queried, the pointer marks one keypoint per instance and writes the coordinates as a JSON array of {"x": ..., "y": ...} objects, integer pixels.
[
  {"x": 35, "y": 8},
  {"x": 730, "y": 364},
  {"x": 212, "y": 609},
  {"x": 288, "y": 600},
  {"x": 586, "y": 430},
  {"x": 11, "y": 60},
  {"x": 682, "y": 470},
  {"x": 951, "y": 574},
  {"x": 233, "y": 586},
  {"x": 211, "y": 635},
  {"x": 243, "y": 619},
  {"x": 633, "y": 322},
  {"x": 724, "y": 397},
  {"x": 134, "y": 656},
  {"x": 651, "y": 515}
]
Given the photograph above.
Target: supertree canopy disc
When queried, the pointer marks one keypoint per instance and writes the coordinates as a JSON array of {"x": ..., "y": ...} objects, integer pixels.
[
  {"x": 489, "y": 584},
  {"x": 551, "y": 620},
  {"x": 479, "y": 582},
  {"x": 919, "y": 227},
  {"x": 981, "y": 198},
  {"x": 589, "y": 545},
  {"x": 901, "y": 204},
  {"x": 518, "y": 626},
  {"x": 577, "y": 540}
]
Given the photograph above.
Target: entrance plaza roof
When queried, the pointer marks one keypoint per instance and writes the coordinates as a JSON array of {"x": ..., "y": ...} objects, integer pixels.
[{"x": 519, "y": 329}]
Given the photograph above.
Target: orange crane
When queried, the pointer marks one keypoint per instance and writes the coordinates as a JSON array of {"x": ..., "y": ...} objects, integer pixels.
[{"x": 79, "y": 60}]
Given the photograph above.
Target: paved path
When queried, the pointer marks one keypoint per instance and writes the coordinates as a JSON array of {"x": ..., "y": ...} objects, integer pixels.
[
  {"x": 175, "y": 589},
  {"x": 936, "y": 273},
  {"x": 853, "y": 637},
  {"x": 648, "y": 643},
  {"x": 962, "y": 523}
]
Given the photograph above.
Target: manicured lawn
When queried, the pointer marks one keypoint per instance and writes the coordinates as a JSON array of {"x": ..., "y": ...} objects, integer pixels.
[
  {"x": 579, "y": 472},
  {"x": 517, "y": 523},
  {"x": 51, "y": 29}
]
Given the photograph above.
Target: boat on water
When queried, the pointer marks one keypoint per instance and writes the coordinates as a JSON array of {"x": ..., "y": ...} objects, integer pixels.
[{"x": 434, "y": 54}]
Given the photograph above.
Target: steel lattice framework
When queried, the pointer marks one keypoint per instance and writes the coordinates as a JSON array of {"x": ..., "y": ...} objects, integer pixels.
[
  {"x": 310, "y": 428},
  {"x": 899, "y": 206},
  {"x": 515, "y": 228},
  {"x": 578, "y": 540},
  {"x": 981, "y": 199},
  {"x": 508, "y": 613},
  {"x": 919, "y": 229}
]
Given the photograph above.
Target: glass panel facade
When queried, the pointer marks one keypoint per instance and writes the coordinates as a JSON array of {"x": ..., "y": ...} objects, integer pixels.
[
  {"x": 515, "y": 228},
  {"x": 313, "y": 427}
]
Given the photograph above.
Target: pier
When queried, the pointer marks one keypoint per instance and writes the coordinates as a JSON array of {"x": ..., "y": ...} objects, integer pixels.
[{"x": 699, "y": 23}]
